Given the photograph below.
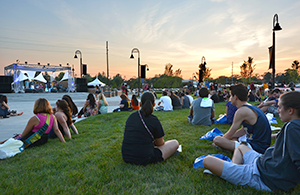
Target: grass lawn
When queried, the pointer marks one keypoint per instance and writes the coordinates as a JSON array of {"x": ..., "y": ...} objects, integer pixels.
[{"x": 92, "y": 163}]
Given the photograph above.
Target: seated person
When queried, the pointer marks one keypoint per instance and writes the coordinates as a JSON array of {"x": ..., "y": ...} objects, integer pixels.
[
  {"x": 214, "y": 96},
  {"x": 102, "y": 102},
  {"x": 185, "y": 101},
  {"x": 38, "y": 127},
  {"x": 230, "y": 111},
  {"x": 143, "y": 141},
  {"x": 64, "y": 120},
  {"x": 90, "y": 107},
  {"x": 4, "y": 108},
  {"x": 221, "y": 96},
  {"x": 125, "y": 104},
  {"x": 72, "y": 105},
  {"x": 175, "y": 100},
  {"x": 135, "y": 103},
  {"x": 190, "y": 97},
  {"x": 167, "y": 102},
  {"x": 255, "y": 124},
  {"x": 271, "y": 105},
  {"x": 202, "y": 111},
  {"x": 278, "y": 167}
]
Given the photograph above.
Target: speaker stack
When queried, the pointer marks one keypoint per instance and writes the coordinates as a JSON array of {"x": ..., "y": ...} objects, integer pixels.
[
  {"x": 81, "y": 85},
  {"x": 5, "y": 84}
]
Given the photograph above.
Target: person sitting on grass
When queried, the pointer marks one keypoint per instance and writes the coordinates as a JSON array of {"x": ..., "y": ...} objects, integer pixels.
[
  {"x": 202, "y": 111},
  {"x": 38, "y": 127},
  {"x": 90, "y": 107},
  {"x": 279, "y": 167},
  {"x": 64, "y": 120},
  {"x": 255, "y": 124},
  {"x": 143, "y": 141},
  {"x": 270, "y": 106},
  {"x": 167, "y": 102},
  {"x": 102, "y": 104},
  {"x": 72, "y": 105},
  {"x": 135, "y": 103},
  {"x": 125, "y": 104}
]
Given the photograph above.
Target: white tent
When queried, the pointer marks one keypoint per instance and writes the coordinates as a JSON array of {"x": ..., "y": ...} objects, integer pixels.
[
  {"x": 66, "y": 76},
  {"x": 21, "y": 77},
  {"x": 40, "y": 78},
  {"x": 96, "y": 82},
  {"x": 30, "y": 74}
]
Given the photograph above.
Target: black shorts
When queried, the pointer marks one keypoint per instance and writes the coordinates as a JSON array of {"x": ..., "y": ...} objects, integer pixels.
[{"x": 155, "y": 158}]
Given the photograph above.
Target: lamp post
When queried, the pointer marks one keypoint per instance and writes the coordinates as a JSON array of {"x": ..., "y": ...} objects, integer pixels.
[
  {"x": 202, "y": 68},
  {"x": 79, "y": 52},
  {"x": 135, "y": 50},
  {"x": 276, "y": 27}
]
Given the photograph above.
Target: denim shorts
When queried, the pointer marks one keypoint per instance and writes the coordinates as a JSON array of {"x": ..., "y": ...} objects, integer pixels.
[{"x": 245, "y": 174}]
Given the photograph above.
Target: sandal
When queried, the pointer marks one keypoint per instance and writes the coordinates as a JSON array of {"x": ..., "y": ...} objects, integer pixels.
[{"x": 19, "y": 114}]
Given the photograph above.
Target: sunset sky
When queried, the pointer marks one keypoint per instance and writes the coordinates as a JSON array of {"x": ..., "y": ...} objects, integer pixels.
[{"x": 165, "y": 31}]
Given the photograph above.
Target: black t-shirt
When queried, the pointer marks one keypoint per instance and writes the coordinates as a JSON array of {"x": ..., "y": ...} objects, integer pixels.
[
  {"x": 215, "y": 98},
  {"x": 175, "y": 101},
  {"x": 138, "y": 144},
  {"x": 127, "y": 105}
]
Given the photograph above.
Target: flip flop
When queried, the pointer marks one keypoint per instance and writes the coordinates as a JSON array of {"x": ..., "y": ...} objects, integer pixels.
[{"x": 19, "y": 114}]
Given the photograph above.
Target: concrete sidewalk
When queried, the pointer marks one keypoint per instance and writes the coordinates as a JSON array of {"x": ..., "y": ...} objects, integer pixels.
[{"x": 24, "y": 102}]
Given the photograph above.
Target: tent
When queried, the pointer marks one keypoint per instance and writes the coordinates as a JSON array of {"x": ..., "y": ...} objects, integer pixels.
[
  {"x": 21, "y": 77},
  {"x": 96, "y": 82},
  {"x": 40, "y": 78},
  {"x": 66, "y": 76}
]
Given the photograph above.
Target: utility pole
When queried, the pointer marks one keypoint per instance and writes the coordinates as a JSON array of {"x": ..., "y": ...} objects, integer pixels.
[{"x": 107, "y": 63}]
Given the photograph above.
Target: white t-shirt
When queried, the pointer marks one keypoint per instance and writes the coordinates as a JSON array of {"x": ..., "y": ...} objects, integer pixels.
[
  {"x": 167, "y": 103},
  {"x": 190, "y": 98}
]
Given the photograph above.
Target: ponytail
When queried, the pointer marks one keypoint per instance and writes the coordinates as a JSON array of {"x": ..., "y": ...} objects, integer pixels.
[{"x": 147, "y": 100}]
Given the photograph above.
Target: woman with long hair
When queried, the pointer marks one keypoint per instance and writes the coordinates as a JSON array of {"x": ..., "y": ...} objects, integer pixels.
[
  {"x": 90, "y": 107},
  {"x": 135, "y": 103},
  {"x": 64, "y": 119},
  {"x": 4, "y": 108},
  {"x": 125, "y": 104},
  {"x": 72, "y": 105},
  {"x": 175, "y": 100},
  {"x": 143, "y": 141},
  {"x": 39, "y": 126},
  {"x": 276, "y": 169},
  {"x": 102, "y": 104}
]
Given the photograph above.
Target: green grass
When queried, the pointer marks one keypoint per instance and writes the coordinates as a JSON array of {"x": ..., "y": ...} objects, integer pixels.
[{"x": 91, "y": 163}]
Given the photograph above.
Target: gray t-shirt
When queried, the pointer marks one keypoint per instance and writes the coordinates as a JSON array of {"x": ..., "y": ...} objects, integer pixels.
[{"x": 201, "y": 114}]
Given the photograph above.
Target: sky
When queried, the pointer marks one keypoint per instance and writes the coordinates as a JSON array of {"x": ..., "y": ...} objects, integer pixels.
[{"x": 179, "y": 32}]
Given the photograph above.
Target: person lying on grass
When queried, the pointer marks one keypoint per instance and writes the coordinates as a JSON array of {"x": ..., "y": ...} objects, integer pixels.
[
  {"x": 38, "y": 127},
  {"x": 255, "y": 124},
  {"x": 279, "y": 167},
  {"x": 143, "y": 141}
]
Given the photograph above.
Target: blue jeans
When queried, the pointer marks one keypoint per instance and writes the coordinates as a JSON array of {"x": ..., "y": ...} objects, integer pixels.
[{"x": 3, "y": 112}]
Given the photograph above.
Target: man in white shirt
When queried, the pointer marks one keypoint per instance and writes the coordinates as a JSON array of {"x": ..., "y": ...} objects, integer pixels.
[
  {"x": 190, "y": 97},
  {"x": 167, "y": 102}
]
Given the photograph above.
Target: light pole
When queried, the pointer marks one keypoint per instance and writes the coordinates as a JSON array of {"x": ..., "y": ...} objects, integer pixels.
[
  {"x": 79, "y": 52},
  {"x": 276, "y": 27},
  {"x": 135, "y": 50}
]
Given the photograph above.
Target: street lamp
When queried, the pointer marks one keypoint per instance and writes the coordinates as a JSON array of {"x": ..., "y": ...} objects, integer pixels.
[
  {"x": 79, "y": 52},
  {"x": 276, "y": 27},
  {"x": 202, "y": 68},
  {"x": 135, "y": 50}
]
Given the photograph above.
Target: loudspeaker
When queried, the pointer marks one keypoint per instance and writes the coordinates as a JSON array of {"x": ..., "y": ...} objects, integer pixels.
[
  {"x": 143, "y": 71},
  {"x": 84, "y": 69},
  {"x": 81, "y": 85},
  {"x": 5, "y": 84}
]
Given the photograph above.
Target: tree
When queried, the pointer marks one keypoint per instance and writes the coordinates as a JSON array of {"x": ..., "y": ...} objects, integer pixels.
[
  {"x": 291, "y": 75},
  {"x": 295, "y": 65},
  {"x": 267, "y": 76},
  {"x": 178, "y": 73},
  {"x": 116, "y": 81},
  {"x": 168, "y": 69},
  {"x": 247, "y": 68}
]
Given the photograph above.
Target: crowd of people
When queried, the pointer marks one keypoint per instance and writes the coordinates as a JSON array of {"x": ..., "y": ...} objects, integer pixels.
[{"x": 254, "y": 163}]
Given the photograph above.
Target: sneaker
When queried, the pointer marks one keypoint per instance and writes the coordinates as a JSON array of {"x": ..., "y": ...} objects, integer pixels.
[{"x": 208, "y": 172}]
